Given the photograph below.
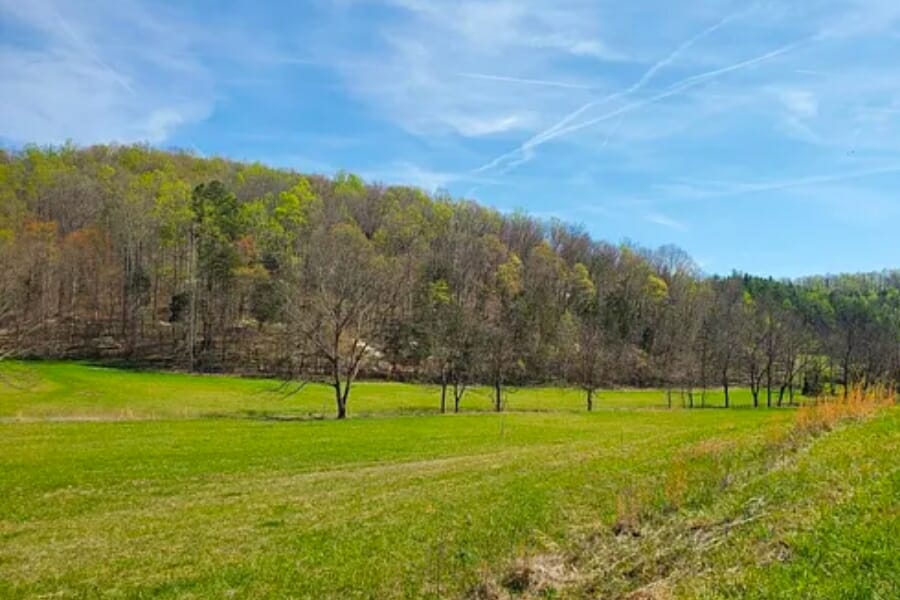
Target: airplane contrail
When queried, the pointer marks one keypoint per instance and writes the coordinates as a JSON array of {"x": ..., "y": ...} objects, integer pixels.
[
  {"x": 89, "y": 51},
  {"x": 637, "y": 86},
  {"x": 650, "y": 73},
  {"x": 678, "y": 88},
  {"x": 740, "y": 188},
  {"x": 562, "y": 128},
  {"x": 542, "y": 82}
]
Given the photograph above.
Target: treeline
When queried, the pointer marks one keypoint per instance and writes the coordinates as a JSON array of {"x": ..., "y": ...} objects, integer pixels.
[{"x": 166, "y": 258}]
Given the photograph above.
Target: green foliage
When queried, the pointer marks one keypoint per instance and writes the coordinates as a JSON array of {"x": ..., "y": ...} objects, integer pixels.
[
  {"x": 173, "y": 210},
  {"x": 218, "y": 225},
  {"x": 292, "y": 210},
  {"x": 439, "y": 293},
  {"x": 348, "y": 184},
  {"x": 106, "y": 239},
  {"x": 656, "y": 288},
  {"x": 583, "y": 289},
  {"x": 509, "y": 277}
]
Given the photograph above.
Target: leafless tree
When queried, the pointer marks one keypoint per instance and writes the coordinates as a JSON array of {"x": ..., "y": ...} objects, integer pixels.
[{"x": 339, "y": 304}]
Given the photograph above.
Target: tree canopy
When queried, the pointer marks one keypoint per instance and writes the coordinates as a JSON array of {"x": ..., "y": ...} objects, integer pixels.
[{"x": 170, "y": 259}]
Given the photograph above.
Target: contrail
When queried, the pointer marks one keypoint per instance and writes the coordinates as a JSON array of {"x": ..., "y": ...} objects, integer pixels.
[
  {"x": 755, "y": 188},
  {"x": 637, "y": 86},
  {"x": 543, "y": 82},
  {"x": 89, "y": 51},
  {"x": 652, "y": 71},
  {"x": 678, "y": 88}
]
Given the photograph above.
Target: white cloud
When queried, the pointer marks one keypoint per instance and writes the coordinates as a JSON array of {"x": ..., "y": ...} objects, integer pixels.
[
  {"x": 590, "y": 48},
  {"x": 719, "y": 189},
  {"x": 851, "y": 18},
  {"x": 480, "y": 126},
  {"x": 541, "y": 82},
  {"x": 566, "y": 128},
  {"x": 665, "y": 221},
  {"x": 469, "y": 68},
  {"x": 800, "y": 103},
  {"x": 408, "y": 173},
  {"x": 105, "y": 72}
]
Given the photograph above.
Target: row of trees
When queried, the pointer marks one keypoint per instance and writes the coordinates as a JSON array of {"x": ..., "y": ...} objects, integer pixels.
[{"x": 205, "y": 264}]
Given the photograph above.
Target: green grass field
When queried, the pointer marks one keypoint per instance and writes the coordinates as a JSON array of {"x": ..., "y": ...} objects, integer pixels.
[
  {"x": 132, "y": 485},
  {"x": 82, "y": 392}
]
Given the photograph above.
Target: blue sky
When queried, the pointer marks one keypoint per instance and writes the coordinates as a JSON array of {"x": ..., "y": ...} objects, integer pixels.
[{"x": 763, "y": 136}]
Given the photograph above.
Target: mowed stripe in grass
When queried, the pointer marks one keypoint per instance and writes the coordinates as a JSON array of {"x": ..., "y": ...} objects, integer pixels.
[{"x": 391, "y": 507}]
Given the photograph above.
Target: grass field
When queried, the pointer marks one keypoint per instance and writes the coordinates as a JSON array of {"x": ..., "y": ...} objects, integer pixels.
[
  {"x": 82, "y": 391},
  {"x": 118, "y": 484}
]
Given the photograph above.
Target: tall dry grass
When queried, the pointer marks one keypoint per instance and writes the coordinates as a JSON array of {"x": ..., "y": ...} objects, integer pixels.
[{"x": 860, "y": 403}]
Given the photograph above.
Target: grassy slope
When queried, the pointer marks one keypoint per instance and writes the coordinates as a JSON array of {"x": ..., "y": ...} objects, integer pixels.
[
  {"x": 829, "y": 526},
  {"x": 796, "y": 518},
  {"x": 405, "y": 507}
]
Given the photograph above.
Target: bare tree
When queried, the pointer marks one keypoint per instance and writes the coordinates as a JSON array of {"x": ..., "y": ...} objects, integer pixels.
[
  {"x": 502, "y": 340},
  {"x": 582, "y": 324},
  {"x": 339, "y": 304},
  {"x": 7, "y": 346},
  {"x": 796, "y": 351},
  {"x": 452, "y": 336},
  {"x": 14, "y": 332},
  {"x": 754, "y": 335},
  {"x": 725, "y": 317}
]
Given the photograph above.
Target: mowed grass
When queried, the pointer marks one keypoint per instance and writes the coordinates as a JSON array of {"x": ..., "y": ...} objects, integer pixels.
[
  {"x": 164, "y": 501},
  {"x": 48, "y": 390}
]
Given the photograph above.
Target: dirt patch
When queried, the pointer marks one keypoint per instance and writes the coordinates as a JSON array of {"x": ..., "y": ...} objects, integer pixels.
[{"x": 534, "y": 577}]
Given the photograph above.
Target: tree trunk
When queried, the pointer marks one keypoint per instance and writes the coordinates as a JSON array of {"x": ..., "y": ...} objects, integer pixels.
[
  {"x": 846, "y": 369},
  {"x": 339, "y": 393},
  {"x": 725, "y": 388},
  {"x": 590, "y": 400},
  {"x": 498, "y": 396},
  {"x": 341, "y": 402},
  {"x": 830, "y": 375}
]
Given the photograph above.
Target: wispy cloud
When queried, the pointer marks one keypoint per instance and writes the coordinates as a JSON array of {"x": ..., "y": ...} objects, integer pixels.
[
  {"x": 720, "y": 189},
  {"x": 409, "y": 173},
  {"x": 87, "y": 75},
  {"x": 433, "y": 68},
  {"x": 801, "y": 103},
  {"x": 665, "y": 221},
  {"x": 526, "y": 149},
  {"x": 652, "y": 114},
  {"x": 677, "y": 89},
  {"x": 540, "y": 82}
]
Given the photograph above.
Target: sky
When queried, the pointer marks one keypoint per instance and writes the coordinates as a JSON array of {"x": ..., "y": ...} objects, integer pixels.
[{"x": 762, "y": 137}]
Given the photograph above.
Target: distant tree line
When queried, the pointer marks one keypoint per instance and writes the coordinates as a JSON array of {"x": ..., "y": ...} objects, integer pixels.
[{"x": 165, "y": 258}]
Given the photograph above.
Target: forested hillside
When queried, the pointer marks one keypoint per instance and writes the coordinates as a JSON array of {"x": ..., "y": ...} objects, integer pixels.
[{"x": 165, "y": 258}]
